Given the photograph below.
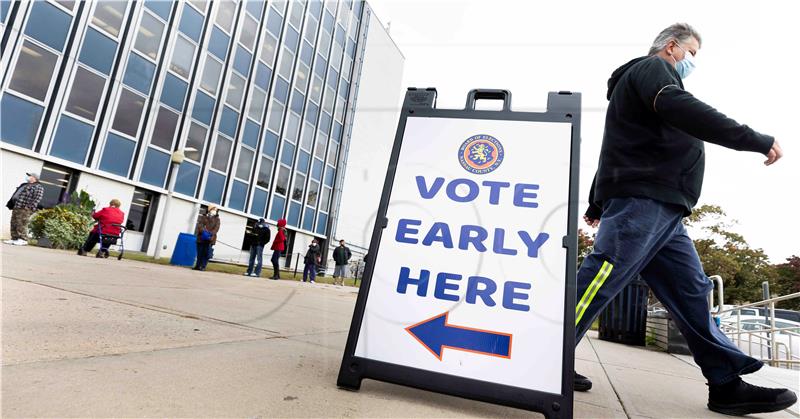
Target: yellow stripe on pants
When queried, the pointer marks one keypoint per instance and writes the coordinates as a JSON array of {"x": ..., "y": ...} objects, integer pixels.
[{"x": 591, "y": 291}]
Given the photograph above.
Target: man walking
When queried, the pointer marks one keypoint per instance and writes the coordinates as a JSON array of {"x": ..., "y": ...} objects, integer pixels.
[
  {"x": 22, "y": 204},
  {"x": 341, "y": 255},
  {"x": 649, "y": 178}
]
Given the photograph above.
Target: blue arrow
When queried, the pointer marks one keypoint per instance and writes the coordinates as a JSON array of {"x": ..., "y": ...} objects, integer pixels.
[{"x": 436, "y": 333}]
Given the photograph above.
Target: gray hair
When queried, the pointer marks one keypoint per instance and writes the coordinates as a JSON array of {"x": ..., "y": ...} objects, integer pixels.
[{"x": 680, "y": 32}]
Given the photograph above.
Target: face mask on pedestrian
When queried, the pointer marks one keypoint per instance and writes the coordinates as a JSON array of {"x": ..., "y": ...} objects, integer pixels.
[{"x": 685, "y": 66}]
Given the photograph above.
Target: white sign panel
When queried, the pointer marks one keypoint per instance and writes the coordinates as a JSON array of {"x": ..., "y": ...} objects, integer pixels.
[{"x": 469, "y": 279}]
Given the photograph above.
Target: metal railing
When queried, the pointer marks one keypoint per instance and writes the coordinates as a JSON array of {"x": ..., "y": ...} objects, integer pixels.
[{"x": 766, "y": 336}]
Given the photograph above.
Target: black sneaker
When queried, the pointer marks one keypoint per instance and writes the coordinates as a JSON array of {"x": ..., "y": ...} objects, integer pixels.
[
  {"x": 581, "y": 383},
  {"x": 740, "y": 398}
]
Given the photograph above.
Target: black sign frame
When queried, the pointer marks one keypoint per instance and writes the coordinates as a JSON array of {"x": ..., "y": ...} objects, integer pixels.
[{"x": 564, "y": 107}]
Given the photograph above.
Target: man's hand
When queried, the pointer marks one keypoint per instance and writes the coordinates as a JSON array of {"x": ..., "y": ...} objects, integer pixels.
[
  {"x": 774, "y": 154},
  {"x": 591, "y": 221}
]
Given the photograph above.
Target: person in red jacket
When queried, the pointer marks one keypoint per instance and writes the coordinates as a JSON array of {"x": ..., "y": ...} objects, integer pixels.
[
  {"x": 278, "y": 246},
  {"x": 106, "y": 218}
]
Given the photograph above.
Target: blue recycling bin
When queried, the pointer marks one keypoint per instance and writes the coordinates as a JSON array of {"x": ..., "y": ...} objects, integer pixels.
[{"x": 185, "y": 250}]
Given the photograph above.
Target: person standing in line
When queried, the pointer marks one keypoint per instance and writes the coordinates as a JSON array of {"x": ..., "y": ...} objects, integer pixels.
[
  {"x": 106, "y": 220},
  {"x": 206, "y": 232},
  {"x": 261, "y": 235},
  {"x": 278, "y": 246},
  {"x": 22, "y": 204},
  {"x": 341, "y": 256},
  {"x": 311, "y": 261}
]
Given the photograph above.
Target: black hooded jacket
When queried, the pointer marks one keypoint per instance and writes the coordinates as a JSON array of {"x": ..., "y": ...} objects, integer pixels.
[{"x": 653, "y": 139}]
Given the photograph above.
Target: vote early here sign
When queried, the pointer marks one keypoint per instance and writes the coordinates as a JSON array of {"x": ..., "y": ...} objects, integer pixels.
[{"x": 469, "y": 277}]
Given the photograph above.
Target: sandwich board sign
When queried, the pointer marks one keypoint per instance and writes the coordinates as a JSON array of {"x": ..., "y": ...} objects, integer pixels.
[{"x": 470, "y": 282}]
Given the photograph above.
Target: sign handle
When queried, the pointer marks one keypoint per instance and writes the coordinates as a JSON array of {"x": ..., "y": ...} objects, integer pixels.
[{"x": 490, "y": 94}]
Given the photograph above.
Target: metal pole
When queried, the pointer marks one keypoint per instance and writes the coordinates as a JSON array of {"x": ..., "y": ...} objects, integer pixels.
[
  {"x": 775, "y": 354},
  {"x": 765, "y": 294},
  {"x": 162, "y": 227}
]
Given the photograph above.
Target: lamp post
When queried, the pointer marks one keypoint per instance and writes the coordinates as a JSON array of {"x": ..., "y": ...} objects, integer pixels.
[{"x": 177, "y": 159}]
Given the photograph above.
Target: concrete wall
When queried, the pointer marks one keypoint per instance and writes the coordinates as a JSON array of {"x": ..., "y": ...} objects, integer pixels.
[
  {"x": 103, "y": 190},
  {"x": 380, "y": 96},
  {"x": 13, "y": 166},
  {"x": 230, "y": 237},
  {"x": 181, "y": 219}
]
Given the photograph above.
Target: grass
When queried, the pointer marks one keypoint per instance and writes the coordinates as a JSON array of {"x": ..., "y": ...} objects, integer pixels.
[
  {"x": 234, "y": 269},
  {"x": 596, "y": 324}
]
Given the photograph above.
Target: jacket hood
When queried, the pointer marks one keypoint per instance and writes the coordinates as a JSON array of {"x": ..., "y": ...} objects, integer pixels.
[
  {"x": 617, "y": 74},
  {"x": 281, "y": 223}
]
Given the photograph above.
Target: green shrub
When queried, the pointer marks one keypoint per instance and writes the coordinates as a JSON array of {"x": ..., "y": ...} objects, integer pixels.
[{"x": 65, "y": 228}]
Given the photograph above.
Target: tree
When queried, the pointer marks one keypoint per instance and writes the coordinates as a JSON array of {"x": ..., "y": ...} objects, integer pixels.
[
  {"x": 585, "y": 245},
  {"x": 788, "y": 282},
  {"x": 728, "y": 255}
]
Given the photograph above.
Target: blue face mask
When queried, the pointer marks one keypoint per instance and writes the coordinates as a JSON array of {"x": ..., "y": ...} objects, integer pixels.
[{"x": 685, "y": 66}]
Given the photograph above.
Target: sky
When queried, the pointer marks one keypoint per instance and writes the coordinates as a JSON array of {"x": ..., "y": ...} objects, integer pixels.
[{"x": 532, "y": 47}]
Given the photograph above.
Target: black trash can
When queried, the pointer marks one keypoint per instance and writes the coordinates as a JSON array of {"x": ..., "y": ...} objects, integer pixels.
[{"x": 624, "y": 320}]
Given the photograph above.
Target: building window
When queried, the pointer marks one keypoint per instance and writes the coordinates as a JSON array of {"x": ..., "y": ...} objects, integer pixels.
[
  {"x": 86, "y": 93},
  {"x": 108, "y": 15},
  {"x": 211, "y": 73},
  {"x": 174, "y": 92},
  {"x": 182, "y": 57},
  {"x": 238, "y": 195},
  {"x": 228, "y": 122},
  {"x": 140, "y": 210},
  {"x": 117, "y": 155},
  {"x": 98, "y": 50},
  {"x": 160, "y": 7},
  {"x": 203, "y": 108},
  {"x": 278, "y": 203},
  {"x": 218, "y": 44},
  {"x": 245, "y": 164},
  {"x": 249, "y": 32},
  {"x": 259, "y": 204},
  {"x": 139, "y": 73},
  {"x": 215, "y": 183},
  {"x": 264, "y": 172},
  {"x": 282, "y": 184},
  {"x": 58, "y": 183},
  {"x": 148, "y": 40},
  {"x": 154, "y": 169},
  {"x": 186, "y": 182},
  {"x": 34, "y": 70},
  {"x": 196, "y": 141},
  {"x": 164, "y": 130},
  {"x": 129, "y": 111},
  {"x": 19, "y": 121},
  {"x": 235, "y": 91},
  {"x": 48, "y": 24},
  {"x": 191, "y": 23},
  {"x": 241, "y": 62},
  {"x": 222, "y": 151},
  {"x": 225, "y": 14},
  {"x": 72, "y": 139}
]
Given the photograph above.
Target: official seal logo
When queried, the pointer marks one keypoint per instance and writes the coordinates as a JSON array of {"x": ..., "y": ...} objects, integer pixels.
[{"x": 480, "y": 154}]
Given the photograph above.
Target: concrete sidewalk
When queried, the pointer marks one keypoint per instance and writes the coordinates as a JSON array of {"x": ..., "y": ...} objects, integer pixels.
[{"x": 85, "y": 337}]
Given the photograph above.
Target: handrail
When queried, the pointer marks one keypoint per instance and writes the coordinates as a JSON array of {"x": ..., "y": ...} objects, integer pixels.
[
  {"x": 720, "y": 293},
  {"x": 762, "y": 302}
]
